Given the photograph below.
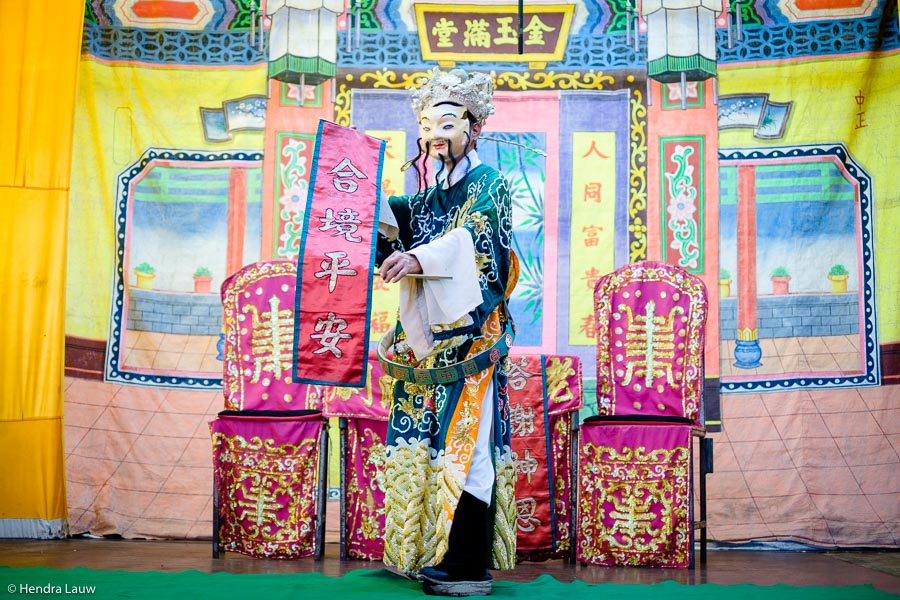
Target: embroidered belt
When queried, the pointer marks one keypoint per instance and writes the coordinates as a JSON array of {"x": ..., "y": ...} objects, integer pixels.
[{"x": 450, "y": 373}]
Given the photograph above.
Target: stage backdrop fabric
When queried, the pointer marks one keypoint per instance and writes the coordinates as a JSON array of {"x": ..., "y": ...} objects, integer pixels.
[{"x": 216, "y": 158}]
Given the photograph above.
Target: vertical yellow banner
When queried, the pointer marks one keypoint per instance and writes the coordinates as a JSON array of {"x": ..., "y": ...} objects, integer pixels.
[
  {"x": 385, "y": 298},
  {"x": 592, "y": 227}
]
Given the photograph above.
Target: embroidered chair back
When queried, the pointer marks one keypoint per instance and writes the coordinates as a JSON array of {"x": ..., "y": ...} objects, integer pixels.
[
  {"x": 651, "y": 319},
  {"x": 258, "y": 322}
]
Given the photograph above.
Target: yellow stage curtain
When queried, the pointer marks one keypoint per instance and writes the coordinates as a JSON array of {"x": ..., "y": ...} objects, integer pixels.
[{"x": 40, "y": 50}]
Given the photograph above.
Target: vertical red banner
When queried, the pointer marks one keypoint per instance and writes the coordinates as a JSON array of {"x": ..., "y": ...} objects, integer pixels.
[
  {"x": 530, "y": 445},
  {"x": 337, "y": 256}
]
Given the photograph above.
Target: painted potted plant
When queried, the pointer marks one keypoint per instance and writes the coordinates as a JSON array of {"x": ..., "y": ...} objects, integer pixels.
[
  {"x": 145, "y": 274},
  {"x": 724, "y": 283},
  {"x": 780, "y": 281},
  {"x": 202, "y": 280},
  {"x": 838, "y": 276}
]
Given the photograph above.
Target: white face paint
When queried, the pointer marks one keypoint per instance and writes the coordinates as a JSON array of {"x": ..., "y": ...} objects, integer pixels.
[{"x": 446, "y": 129}]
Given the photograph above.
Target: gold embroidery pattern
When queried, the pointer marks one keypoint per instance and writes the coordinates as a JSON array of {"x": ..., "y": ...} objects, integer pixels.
[
  {"x": 504, "y": 552},
  {"x": 634, "y": 506},
  {"x": 558, "y": 373},
  {"x": 233, "y": 317},
  {"x": 271, "y": 340},
  {"x": 649, "y": 345},
  {"x": 695, "y": 303},
  {"x": 463, "y": 428},
  {"x": 386, "y": 385},
  {"x": 561, "y": 443},
  {"x": 270, "y": 490},
  {"x": 637, "y": 180},
  {"x": 418, "y": 503},
  {"x": 364, "y": 514}
]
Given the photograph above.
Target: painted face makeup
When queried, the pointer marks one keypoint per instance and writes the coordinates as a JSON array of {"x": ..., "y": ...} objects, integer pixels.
[{"x": 445, "y": 128}]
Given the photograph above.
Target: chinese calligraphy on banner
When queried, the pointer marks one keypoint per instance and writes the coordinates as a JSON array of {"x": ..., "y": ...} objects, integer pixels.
[
  {"x": 337, "y": 254},
  {"x": 593, "y": 224},
  {"x": 476, "y": 32}
]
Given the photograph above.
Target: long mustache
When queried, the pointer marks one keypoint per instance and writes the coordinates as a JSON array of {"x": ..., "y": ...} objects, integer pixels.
[{"x": 424, "y": 148}]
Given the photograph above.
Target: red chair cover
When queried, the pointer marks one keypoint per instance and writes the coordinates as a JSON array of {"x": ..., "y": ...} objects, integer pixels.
[
  {"x": 634, "y": 497},
  {"x": 364, "y": 500},
  {"x": 635, "y": 470},
  {"x": 258, "y": 321},
  {"x": 266, "y": 474}
]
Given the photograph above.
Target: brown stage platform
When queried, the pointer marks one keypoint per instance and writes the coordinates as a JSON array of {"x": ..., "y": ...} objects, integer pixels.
[{"x": 880, "y": 568}]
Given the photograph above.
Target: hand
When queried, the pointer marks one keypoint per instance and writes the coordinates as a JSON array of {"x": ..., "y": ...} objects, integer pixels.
[{"x": 398, "y": 265}]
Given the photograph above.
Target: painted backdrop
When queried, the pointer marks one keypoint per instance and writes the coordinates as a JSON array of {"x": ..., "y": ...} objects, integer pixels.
[{"x": 773, "y": 182}]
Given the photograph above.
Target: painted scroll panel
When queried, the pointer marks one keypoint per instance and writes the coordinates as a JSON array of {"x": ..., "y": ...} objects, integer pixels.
[
  {"x": 814, "y": 271},
  {"x": 183, "y": 220}
]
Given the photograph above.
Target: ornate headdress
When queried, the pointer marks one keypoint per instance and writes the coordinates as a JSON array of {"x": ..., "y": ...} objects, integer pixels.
[{"x": 474, "y": 91}]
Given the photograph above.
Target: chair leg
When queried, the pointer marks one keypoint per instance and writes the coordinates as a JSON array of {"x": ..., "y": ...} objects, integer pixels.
[
  {"x": 322, "y": 492},
  {"x": 692, "y": 520},
  {"x": 573, "y": 487},
  {"x": 342, "y": 423},
  {"x": 706, "y": 467},
  {"x": 215, "y": 521}
]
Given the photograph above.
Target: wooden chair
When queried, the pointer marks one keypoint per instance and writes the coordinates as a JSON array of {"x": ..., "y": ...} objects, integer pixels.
[
  {"x": 270, "y": 444},
  {"x": 635, "y": 496}
]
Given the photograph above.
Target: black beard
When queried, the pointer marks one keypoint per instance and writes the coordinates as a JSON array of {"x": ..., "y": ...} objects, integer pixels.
[
  {"x": 425, "y": 150},
  {"x": 450, "y": 157}
]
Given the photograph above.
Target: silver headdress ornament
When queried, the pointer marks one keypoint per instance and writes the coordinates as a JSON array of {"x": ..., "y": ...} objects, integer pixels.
[{"x": 474, "y": 91}]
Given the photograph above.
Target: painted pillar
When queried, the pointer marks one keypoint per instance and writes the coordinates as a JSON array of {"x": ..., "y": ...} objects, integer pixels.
[
  {"x": 237, "y": 218},
  {"x": 747, "y": 351},
  {"x": 683, "y": 190},
  {"x": 292, "y": 119}
]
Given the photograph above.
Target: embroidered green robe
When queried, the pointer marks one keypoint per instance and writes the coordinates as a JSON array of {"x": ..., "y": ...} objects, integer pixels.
[{"x": 432, "y": 428}]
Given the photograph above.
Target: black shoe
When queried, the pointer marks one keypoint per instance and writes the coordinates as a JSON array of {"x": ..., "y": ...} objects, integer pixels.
[
  {"x": 436, "y": 581},
  {"x": 464, "y": 568},
  {"x": 447, "y": 573}
]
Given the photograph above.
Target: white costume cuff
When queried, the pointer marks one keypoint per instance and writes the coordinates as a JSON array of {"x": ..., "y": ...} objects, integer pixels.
[
  {"x": 427, "y": 302},
  {"x": 387, "y": 222}
]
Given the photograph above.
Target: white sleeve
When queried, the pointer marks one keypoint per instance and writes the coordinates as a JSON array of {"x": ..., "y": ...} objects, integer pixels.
[
  {"x": 387, "y": 222},
  {"x": 427, "y": 302},
  {"x": 453, "y": 256}
]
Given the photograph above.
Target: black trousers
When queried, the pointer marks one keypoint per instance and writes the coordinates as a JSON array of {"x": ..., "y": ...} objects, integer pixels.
[{"x": 468, "y": 554}]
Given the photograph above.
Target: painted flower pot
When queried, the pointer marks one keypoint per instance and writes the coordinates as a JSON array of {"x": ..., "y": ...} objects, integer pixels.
[
  {"x": 838, "y": 283},
  {"x": 724, "y": 288},
  {"x": 202, "y": 284},
  {"x": 145, "y": 280},
  {"x": 780, "y": 285}
]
